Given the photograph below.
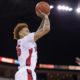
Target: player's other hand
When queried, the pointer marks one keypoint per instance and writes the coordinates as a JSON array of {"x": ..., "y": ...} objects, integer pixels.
[{"x": 77, "y": 60}]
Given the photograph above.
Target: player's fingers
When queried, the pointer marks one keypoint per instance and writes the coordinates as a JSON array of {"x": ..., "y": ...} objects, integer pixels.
[{"x": 41, "y": 12}]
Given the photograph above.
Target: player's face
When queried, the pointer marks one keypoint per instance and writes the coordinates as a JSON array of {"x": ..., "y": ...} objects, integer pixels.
[{"x": 24, "y": 32}]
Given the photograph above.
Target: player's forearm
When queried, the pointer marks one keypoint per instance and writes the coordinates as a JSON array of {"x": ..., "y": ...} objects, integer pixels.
[
  {"x": 42, "y": 23},
  {"x": 45, "y": 24}
]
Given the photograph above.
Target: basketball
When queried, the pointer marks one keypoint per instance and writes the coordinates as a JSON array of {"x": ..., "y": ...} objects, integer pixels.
[{"x": 43, "y": 7}]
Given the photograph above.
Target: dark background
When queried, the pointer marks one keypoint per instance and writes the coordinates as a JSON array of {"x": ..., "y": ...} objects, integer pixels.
[{"x": 60, "y": 46}]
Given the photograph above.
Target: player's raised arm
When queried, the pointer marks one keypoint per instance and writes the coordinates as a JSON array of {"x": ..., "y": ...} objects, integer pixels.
[{"x": 44, "y": 27}]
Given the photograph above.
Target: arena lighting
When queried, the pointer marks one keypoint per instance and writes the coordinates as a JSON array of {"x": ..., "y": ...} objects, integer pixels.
[
  {"x": 78, "y": 10},
  {"x": 8, "y": 60},
  {"x": 16, "y": 62},
  {"x": 51, "y": 6},
  {"x": 64, "y": 8},
  {"x": 46, "y": 66},
  {"x": 74, "y": 68},
  {"x": 62, "y": 67}
]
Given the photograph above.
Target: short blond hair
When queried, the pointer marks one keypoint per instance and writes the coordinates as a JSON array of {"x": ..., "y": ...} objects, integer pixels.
[{"x": 18, "y": 27}]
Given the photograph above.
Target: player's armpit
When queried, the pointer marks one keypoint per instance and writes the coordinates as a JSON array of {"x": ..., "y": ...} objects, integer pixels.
[{"x": 40, "y": 33}]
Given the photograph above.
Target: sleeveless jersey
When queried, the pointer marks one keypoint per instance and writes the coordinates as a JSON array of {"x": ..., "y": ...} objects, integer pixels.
[{"x": 27, "y": 51}]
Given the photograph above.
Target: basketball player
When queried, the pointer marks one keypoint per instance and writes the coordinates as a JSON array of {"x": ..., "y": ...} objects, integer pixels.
[{"x": 27, "y": 48}]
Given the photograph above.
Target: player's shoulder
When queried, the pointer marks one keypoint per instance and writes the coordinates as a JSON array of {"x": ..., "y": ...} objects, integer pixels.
[
  {"x": 29, "y": 35},
  {"x": 32, "y": 33}
]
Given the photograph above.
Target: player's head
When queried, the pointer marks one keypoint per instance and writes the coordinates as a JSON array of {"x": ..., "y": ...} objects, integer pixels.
[{"x": 20, "y": 30}]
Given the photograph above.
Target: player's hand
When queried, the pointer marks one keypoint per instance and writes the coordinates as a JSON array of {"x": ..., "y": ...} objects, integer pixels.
[
  {"x": 41, "y": 14},
  {"x": 77, "y": 60}
]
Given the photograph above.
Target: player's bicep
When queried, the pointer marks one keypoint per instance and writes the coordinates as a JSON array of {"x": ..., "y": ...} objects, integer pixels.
[{"x": 39, "y": 34}]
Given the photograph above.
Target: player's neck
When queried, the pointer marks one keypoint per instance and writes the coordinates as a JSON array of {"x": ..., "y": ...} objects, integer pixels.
[{"x": 22, "y": 36}]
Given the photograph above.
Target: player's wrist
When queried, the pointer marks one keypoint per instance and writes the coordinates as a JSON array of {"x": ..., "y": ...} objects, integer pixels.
[{"x": 46, "y": 16}]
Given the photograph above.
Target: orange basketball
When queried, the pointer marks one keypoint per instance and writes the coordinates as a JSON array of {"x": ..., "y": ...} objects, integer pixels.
[{"x": 43, "y": 7}]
